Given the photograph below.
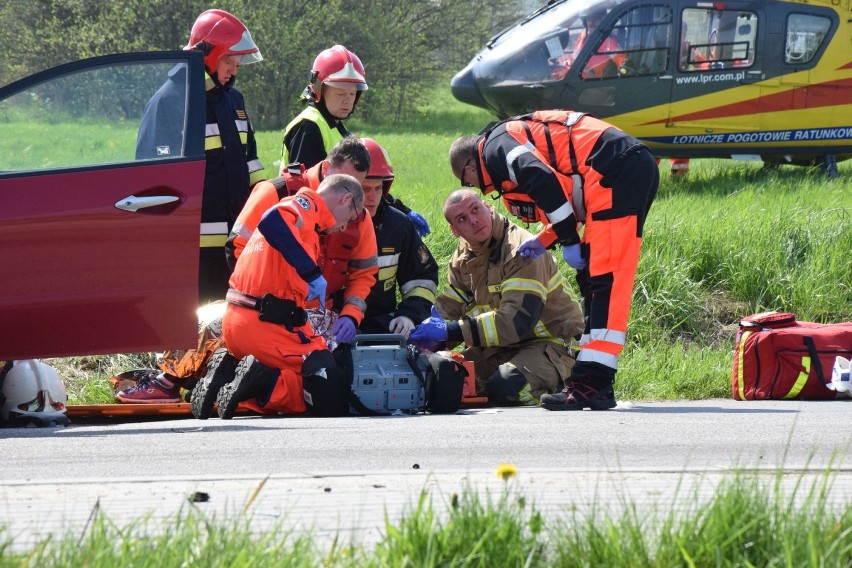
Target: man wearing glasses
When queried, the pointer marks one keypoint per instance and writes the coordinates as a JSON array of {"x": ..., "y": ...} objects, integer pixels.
[
  {"x": 348, "y": 257},
  {"x": 569, "y": 171},
  {"x": 265, "y": 324}
]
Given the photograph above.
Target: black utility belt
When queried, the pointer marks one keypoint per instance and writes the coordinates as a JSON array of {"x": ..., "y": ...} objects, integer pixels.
[{"x": 270, "y": 308}]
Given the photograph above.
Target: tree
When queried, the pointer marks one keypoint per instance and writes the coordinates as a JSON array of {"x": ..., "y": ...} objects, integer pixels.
[{"x": 406, "y": 45}]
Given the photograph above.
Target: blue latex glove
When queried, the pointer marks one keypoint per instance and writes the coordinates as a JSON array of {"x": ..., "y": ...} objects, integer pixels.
[
  {"x": 432, "y": 329},
  {"x": 420, "y": 223},
  {"x": 344, "y": 329},
  {"x": 531, "y": 248},
  {"x": 316, "y": 289},
  {"x": 574, "y": 257}
]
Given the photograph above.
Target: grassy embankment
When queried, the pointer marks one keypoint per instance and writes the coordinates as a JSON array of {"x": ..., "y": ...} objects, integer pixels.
[{"x": 731, "y": 240}]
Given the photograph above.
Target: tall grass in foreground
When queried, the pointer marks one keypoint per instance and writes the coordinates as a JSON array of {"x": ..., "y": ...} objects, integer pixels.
[{"x": 750, "y": 521}]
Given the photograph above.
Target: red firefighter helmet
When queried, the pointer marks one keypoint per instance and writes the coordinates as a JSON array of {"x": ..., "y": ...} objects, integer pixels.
[
  {"x": 337, "y": 67},
  {"x": 218, "y": 33},
  {"x": 380, "y": 165}
]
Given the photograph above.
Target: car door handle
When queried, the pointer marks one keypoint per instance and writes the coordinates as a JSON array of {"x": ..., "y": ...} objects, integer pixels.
[{"x": 134, "y": 203}]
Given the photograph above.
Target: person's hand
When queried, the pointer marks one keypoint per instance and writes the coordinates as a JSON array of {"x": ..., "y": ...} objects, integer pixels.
[
  {"x": 316, "y": 289},
  {"x": 432, "y": 329},
  {"x": 574, "y": 257},
  {"x": 420, "y": 223},
  {"x": 531, "y": 248},
  {"x": 401, "y": 325},
  {"x": 344, "y": 329}
]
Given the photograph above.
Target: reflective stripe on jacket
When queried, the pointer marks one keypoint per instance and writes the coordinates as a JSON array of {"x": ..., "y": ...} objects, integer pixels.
[
  {"x": 348, "y": 261},
  {"x": 405, "y": 263}
]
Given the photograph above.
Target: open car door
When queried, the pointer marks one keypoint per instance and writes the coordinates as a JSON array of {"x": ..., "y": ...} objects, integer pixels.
[{"x": 99, "y": 247}]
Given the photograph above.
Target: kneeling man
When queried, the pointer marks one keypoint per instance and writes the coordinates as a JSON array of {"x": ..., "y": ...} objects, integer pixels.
[{"x": 512, "y": 312}]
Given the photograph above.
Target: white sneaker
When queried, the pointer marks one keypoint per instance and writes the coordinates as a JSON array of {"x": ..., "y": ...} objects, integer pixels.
[{"x": 840, "y": 381}]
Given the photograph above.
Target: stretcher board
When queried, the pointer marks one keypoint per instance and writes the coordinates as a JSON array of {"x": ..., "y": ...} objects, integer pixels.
[
  {"x": 177, "y": 409},
  {"x": 118, "y": 410}
]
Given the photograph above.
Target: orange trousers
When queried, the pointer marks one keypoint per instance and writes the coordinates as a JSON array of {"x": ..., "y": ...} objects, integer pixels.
[{"x": 274, "y": 346}]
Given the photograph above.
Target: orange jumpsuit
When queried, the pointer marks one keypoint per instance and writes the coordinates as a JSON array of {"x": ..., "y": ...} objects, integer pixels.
[
  {"x": 348, "y": 258},
  {"x": 565, "y": 169},
  {"x": 598, "y": 64},
  {"x": 278, "y": 259}
]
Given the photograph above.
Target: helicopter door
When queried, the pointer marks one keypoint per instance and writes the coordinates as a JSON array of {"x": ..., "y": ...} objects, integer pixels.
[
  {"x": 803, "y": 37},
  {"x": 714, "y": 94}
]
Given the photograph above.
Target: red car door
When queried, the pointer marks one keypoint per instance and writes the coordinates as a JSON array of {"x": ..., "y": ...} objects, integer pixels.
[{"x": 99, "y": 248}]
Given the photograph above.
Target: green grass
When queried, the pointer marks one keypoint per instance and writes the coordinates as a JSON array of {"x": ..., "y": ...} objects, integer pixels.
[
  {"x": 752, "y": 519},
  {"x": 731, "y": 240}
]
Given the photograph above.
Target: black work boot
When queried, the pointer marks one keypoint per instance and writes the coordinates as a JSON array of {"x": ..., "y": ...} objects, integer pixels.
[
  {"x": 220, "y": 370},
  {"x": 587, "y": 392},
  {"x": 557, "y": 398},
  {"x": 252, "y": 379}
]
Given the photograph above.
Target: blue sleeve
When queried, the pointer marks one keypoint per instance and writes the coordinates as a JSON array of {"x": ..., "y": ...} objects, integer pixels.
[{"x": 280, "y": 236}]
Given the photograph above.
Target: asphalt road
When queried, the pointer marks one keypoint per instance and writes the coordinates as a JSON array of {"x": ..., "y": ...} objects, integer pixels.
[{"x": 344, "y": 474}]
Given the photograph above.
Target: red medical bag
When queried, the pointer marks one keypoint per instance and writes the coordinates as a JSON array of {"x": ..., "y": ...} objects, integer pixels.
[{"x": 777, "y": 357}]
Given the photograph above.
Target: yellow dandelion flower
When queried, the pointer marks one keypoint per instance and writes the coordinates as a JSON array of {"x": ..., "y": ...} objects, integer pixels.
[{"x": 505, "y": 471}]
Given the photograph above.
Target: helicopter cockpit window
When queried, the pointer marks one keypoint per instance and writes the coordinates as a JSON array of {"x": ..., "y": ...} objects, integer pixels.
[
  {"x": 574, "y": 36},
  {"x": 805, "y": 35},
  {"x": 716, "y": 39},
  {"x": 637, "y": 44}
]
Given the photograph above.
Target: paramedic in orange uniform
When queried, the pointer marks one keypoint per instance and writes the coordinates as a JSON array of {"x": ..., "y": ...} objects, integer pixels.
[
  {"x": 349, "y": 156},
  {"x": 568, "y": 169},
  {"x": 348, "y": 258},
  {"x": 275, "y": 279},
  {"x": 353, "y": 267}
]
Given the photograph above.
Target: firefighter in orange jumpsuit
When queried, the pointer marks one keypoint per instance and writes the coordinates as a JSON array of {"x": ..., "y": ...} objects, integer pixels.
[
  {"x": 265, "y": 324},
  {"x": 568, "y": 169}
]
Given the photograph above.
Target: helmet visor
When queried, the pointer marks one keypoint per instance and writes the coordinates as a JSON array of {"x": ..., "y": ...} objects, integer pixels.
[
  {"x": 247, "y": 48},
  {"x": 347, "y": 84}
]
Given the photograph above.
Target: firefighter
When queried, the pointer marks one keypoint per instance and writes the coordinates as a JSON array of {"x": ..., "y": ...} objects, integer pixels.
[
  {"x": 512, "y": 312},
  {"x": 567, "y": 169},
  {"x": 336, "y": 83},
  {"x": 404, "y": 261},
  {"x": 265, "y": 324},
  {"x": 230, "y": 148}
]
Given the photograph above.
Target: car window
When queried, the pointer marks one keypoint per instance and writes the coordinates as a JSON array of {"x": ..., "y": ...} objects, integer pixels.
[{"x": 87, "y": 117}]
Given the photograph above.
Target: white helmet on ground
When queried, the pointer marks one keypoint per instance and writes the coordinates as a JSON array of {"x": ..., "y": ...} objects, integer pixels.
[{"x": 31, "y": 393}]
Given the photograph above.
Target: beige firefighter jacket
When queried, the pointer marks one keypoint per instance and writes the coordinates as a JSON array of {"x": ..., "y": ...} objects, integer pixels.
[{"x": 502, "y": 299}]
